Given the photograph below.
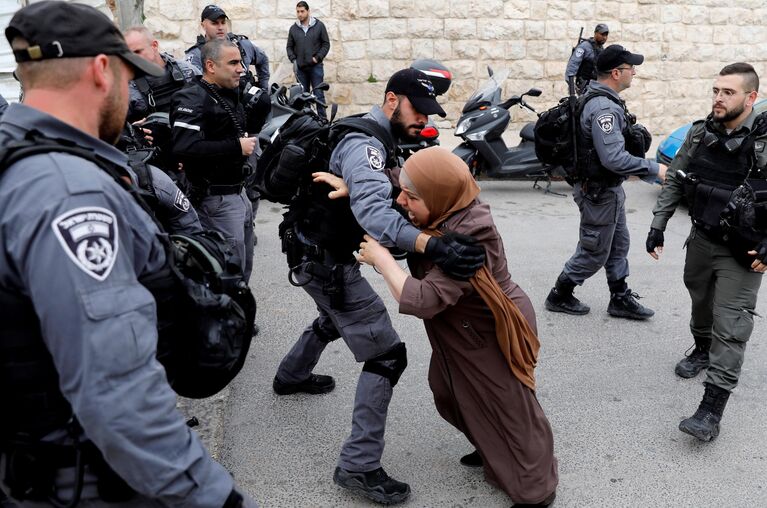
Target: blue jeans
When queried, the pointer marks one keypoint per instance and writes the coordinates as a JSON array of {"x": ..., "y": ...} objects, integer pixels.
[{"x": 313, "y": 76}]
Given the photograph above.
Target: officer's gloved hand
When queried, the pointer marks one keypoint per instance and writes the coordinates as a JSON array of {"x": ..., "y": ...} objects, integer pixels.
[
  {"x": 654, "y": 240},
  {"x": 760, "y": 251},
  {"x": 238, "y": 500},
  {"x": 457, "y": 255}
]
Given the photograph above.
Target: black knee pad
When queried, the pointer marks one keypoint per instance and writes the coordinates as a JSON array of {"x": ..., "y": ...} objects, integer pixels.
[
  {"x": 325, "y": 335},
  {"x": 390, "y": 365}
]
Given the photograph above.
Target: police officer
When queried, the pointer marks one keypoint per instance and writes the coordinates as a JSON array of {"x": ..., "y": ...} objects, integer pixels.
[
  {"x": 150, "y": 94},
  {"x": 214, "y": 22},
  {"x": 328, "y": 232},
  {"x": 583, "y": 62},
  {"x": 87, "y": 411},
  {"x": 725, "y": 257},
  {"x": 210, "y": 134},
  {"x": 610, "y": 150}
]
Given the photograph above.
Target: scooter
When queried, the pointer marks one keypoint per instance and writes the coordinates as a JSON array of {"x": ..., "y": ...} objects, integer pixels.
[{"x": 482, "y": 123}]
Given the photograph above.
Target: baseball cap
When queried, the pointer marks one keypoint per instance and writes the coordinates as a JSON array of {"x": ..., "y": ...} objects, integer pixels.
[
  {"x": 417, "y": 87},
  {"x": 212, "y": 12},
  {"x": 56, "y": 29},
  {"x": 615, "y": 55},
  {"x": 601, "y": 28}
]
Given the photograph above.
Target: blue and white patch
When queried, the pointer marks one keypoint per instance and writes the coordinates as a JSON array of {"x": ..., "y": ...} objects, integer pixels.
[
  {"x": 181, "y": 202},
  {"x": 606, "y": 123},
  {"x": 375, "y": 158},
  {"x": 89, "y": 237},
  {"x": 579, "y": 52}
]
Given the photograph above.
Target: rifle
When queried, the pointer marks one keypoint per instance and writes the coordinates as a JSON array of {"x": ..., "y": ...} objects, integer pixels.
[
  {"x": 574, "y": 121},
  {"x": 580, "y": 39}
]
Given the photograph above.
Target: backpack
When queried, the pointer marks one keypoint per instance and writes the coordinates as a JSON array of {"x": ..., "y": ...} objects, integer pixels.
[
  {"x": 303, "y": 145},
  {"x": 205, "y": 310},
  {"x": 555, "y": 132}
]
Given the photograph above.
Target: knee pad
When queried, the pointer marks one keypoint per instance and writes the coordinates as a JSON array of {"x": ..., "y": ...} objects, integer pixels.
[
  {"x": 325, "y": 335},
  {"x": 390, "y": 365}
]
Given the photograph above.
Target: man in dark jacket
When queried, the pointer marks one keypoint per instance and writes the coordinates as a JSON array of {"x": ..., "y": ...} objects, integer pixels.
[{"x": 308, "y": 45}]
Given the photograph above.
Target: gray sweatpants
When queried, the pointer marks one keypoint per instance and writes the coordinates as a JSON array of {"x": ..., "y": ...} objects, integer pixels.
[
  {"x": 604, "y": 238},
  {"x": 366, "y": 328},
  {"x": 232, "y": 216}
]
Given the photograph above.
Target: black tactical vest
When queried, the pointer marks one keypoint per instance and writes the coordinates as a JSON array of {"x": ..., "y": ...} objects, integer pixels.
[
  {"x": 713, "y": 163},
  {"x": 588, "y": 67},
  {"x": 157, "y": 90}
]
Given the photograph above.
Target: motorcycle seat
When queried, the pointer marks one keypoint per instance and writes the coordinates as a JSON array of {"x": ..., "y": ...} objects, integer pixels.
[{"x": 528, "y": 132}]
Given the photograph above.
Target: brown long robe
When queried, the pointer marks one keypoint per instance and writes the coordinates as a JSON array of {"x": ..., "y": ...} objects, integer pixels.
[{"x": 473, "y": 386}]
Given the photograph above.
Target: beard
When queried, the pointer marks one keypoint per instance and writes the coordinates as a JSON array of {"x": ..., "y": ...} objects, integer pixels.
[
  {"x": 400, "y": 129},
  {"x": 729, "y": 114},
  {"x": 113, "y": 111}
]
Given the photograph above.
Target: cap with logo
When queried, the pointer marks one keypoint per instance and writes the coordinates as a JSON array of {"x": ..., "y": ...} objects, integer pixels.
[
  {"x": 616, "y": 55},
  {"x": 419, "y": 90},
  {"x": 601, "y": 28},
  {"x": 213, "y": 12},
  {"x": 56, "y": 29}
]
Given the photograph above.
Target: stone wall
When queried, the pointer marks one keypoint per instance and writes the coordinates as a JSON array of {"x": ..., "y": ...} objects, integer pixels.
[{"x": 685, "y": 43}]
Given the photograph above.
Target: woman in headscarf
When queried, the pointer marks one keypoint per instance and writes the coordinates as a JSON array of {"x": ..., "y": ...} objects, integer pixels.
[{"x": 482, "y": 331}]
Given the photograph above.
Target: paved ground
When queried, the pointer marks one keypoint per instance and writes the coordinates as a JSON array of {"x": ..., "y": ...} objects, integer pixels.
[{"x": 607, "y": 386}]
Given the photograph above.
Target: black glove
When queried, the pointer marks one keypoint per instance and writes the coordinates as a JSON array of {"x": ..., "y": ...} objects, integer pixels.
[
  {"x": 457, "y": 255},
  {"x": 761, "y": 251},
  {"x": 654, "y": 239}
]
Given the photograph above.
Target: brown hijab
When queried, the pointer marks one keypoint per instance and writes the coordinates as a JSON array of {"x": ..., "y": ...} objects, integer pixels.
[{"x": 442, "y": 180}]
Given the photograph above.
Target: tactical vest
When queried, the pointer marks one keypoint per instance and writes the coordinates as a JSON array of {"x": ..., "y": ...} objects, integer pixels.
[
  {"x": 158, "y": 90},
  {"x": 588, "y": 67}
]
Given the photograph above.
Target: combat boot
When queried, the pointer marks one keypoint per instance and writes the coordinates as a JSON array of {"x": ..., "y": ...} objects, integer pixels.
[
  {"x": 473, "y": 459},
  {"x": 704, "y": 424},
  {"x": 375, "y": 485},
  {"x": 691, "y": 365},
  {"x": 315, "y": 384},
  {"x": 561, "y": 298},
  {"x": 625, "y": 305}
]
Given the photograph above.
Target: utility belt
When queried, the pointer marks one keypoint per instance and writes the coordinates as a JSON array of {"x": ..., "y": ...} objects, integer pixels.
[
  {"x": 594, "y": 186},
  {"x": 31, "y": 470},
  {"x": 316, "y": 261},
  {"x": 199, "y": 192}
]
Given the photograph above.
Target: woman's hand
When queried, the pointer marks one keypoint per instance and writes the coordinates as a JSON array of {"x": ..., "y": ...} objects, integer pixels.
[
  {"x": 341, "y": 190},
  {"x": 372, "y": 252}
]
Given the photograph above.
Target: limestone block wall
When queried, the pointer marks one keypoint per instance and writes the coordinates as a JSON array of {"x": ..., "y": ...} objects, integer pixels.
[{"x": 685, "y": 43}]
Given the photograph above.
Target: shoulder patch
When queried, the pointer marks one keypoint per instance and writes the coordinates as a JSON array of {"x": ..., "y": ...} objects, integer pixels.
[
  {"x": 89, "y": 237},
  {"x": 181, "y": 201},
  {"x": 606, "y": 122},
  {"x": 579, "y": 52},
  {"x": 375, "y": 158}
]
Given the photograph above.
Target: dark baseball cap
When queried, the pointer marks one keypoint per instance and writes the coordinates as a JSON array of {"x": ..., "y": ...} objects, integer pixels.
[
  {"x": 601, "y": 28},
  {"x": 419, "y": 90},
  {"x": 213, "y": 12},
  {"x": 56, "y": 29},
  {"x": 615, "y": 55}
]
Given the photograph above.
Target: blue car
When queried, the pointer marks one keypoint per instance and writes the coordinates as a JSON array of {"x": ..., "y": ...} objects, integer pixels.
[{"x": 668, "y": 148}]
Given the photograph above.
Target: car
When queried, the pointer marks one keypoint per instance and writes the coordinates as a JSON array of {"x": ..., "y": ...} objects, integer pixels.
[{"x": 668, "y": 148}]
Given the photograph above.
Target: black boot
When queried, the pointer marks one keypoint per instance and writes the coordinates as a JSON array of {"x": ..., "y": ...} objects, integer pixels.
[
  {"x": 543, "y": 504},
  {"x": 315, "y": 384},
  {"x": 691, "y": 365},
  {"x": 473, "y": 459},
  {"x": 625, "y": 305},
  {"x": 561, "y": 298},
  {"x": 704, "y": 424},
  {"x": 375, "y": 485}
]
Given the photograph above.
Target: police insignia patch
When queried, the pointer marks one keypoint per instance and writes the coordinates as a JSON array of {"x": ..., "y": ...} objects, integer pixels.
[
  {"x": 181, "y": 201},
  {"x": 89, "y": 237},
  {"x": 579, "y": 52},
  {"x": 375, "y": 158},
  {"x": 606, "y": 123}
]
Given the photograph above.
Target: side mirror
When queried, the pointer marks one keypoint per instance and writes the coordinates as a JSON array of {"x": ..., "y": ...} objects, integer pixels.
[
  {"x": 533, "y": 92},
  {"x": 322, "y": 86}
]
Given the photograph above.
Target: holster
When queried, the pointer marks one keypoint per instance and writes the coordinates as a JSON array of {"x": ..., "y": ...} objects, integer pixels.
[{"x": 333, "y": 281}]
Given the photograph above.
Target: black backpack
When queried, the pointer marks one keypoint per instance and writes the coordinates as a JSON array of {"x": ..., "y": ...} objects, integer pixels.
[
  {"x": 205, "y": 310},
  {"x": 303, "y": 146},
  {"x": 555, "y": 135}
]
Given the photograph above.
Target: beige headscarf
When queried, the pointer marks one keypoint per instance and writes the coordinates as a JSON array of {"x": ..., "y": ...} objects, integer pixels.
[{"x": 443, "y": 181}]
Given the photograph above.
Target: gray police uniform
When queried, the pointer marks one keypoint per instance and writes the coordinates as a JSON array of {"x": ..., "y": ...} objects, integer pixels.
[
  {"x": 362, "y": 321},
  {"x": 141, "y": 104},
  {"x": 582, "y": 64},
  {"x": 252, "y": 55},
  {"x": 97, "y": 322},
  {"x": 723, "y": 291},
  {"x": 604, "y": 237}
]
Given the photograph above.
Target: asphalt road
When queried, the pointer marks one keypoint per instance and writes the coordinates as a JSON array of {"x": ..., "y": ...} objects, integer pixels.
[{"x": 607, "y": 385}]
